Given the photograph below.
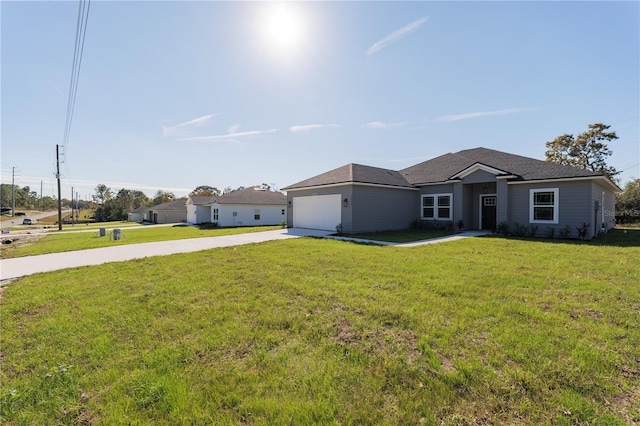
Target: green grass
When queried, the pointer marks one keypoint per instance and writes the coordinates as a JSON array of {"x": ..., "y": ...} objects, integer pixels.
[
  {"x": 401, "y": 236},
  {"x": 70, "y": 241},
  {"x": 312, "y": 331}
]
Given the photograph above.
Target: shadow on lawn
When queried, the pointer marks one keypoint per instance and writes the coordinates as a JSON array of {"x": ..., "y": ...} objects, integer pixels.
[{"x": 614, "y": 238}]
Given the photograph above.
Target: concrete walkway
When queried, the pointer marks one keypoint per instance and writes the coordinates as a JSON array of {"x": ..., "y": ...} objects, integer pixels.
[
  {"x": 23, "y": 266},
  {"x": 444, "y": 239}
]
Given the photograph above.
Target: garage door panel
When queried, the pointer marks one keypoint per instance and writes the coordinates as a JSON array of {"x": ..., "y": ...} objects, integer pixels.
[{"x": 317, "y": 212}]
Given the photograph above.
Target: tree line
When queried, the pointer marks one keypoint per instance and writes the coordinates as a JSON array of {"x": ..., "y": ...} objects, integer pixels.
[{"x": 26, "y": 198}]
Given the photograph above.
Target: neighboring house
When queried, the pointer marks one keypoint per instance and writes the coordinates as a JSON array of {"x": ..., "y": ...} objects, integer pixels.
[
  {"x": 137, "y": 215},
  {"x": 199, "y": 208},
  {"x": 480, "y": 187},
  {"x": 247, "y": 207},
  {"x": 170, "y": 212}
]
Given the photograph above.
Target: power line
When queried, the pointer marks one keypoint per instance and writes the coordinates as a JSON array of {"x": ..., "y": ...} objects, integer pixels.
[{"x": 81, "y": 31}]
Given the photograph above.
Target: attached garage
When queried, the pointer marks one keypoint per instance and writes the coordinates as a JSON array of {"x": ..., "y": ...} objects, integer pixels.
[{"x": 317, "y": 212}]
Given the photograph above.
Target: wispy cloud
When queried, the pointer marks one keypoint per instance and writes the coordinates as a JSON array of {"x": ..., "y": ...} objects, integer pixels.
[
  {"x": 230, "y": 135},
  {"x": 466, "y": 116},
  {"x": 395, "y": 36},
  {"x": 196, "y": 122},
  {"x": 308, "y": 127},
  {"x": 381, "y": 125},
  {"x": 233, "y": 129}
]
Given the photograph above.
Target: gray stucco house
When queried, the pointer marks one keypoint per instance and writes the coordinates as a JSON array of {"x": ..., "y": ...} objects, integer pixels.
[
  {"x": 169, "y": 212},
  {"x": 480, "y": 187}
]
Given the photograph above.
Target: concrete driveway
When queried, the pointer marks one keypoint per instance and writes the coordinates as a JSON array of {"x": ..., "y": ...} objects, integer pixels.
[{"x": 22, "y": 266}]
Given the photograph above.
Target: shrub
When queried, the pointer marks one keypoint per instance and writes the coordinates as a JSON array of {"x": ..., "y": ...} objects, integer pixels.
[
  {"x": 503, "y": 228},
  {"x": 208, "y": 225},
  {"x": 583, "y": 231},
  {"x": 551, "y": 232},
  {"x": 532, "y": 231},
  {"x": 339, "y": 229},
  {"x": 520, "y": 230},
  {"x": 564, "y": 232}
]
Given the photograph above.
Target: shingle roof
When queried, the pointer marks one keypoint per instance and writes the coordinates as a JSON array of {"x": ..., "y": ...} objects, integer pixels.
[
  {"x": 355, "y": 173},
  {"x": 441, "y": 168},
  {"x": 444, "y": 167},
  {"x": 252, "y": 195},
  {"x": 179, "y": 204},
  {"x": 200, "y": 200}
]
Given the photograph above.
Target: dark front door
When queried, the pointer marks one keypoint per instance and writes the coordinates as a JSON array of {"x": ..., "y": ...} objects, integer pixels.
[{"x": 489, "y": 212}]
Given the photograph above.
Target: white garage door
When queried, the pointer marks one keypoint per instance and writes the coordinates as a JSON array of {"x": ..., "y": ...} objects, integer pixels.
[{"x": 317, "y": 212}]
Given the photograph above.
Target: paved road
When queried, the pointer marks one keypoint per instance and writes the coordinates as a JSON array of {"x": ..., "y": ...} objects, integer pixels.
[
  {"x": 22, "y": 266},
  {"x": 17, "y": 220}
]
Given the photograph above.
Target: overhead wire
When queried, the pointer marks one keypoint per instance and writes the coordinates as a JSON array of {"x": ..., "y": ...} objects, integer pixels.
[{"x": 81, "y": 31}]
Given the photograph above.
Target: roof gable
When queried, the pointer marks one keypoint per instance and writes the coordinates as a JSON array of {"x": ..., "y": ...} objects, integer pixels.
[{"x": 478, "y": 166}]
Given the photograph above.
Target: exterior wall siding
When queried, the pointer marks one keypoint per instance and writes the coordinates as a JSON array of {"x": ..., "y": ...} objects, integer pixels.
[
  {"x": 380, "y": 209},
  {"x": 574, "y": 204},
  {"x": 479, "y": 176},
  {"x": 198, "y": 214},
  {"x": 245, "y": 215},
  {"x": 604, "y": 218},
  {"x": 466, "y": 208},
  {"x": 167, "y": 216},
  {"x": 502, "y": 210}
]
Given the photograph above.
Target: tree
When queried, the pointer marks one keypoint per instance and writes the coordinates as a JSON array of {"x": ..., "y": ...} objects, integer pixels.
[
  {"x": 162, "y": 197},
  {"x": 269, "y": 187},
  {"x": 205, "y": 190},
  {"x": 628, "y": 203},
  {"x": 587, "y": 151},
  {"x": 102, "y": 194}
]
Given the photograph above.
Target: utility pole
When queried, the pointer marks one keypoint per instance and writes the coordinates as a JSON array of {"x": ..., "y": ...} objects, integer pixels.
[
  {"x": 13, "y": 191},
  {"x": 41, "y": 199},
  {"x": 72, "y": 205},
  {"x": 59, "y": 191}
]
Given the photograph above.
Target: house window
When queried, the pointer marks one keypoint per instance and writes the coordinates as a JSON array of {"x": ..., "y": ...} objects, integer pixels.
[
  {"x": 437, "y": 206},
  {"x": 215, "y": 215},
  {"x": 282, "y": 212},
  {"x": 256, "y": 214},
  {"x": 543, "y": 205}
]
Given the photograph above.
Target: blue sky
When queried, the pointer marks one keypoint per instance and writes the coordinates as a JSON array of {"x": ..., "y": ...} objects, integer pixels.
[{"x": 173, "y": 95}]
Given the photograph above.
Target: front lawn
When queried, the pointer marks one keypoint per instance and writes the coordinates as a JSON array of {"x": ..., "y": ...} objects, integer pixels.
[
  {"x": 70, "y": 241},
  {"x": 316, "y": 331}
]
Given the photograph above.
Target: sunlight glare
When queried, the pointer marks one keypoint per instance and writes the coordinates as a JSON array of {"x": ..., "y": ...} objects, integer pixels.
[{"x": 284, "y": 29}]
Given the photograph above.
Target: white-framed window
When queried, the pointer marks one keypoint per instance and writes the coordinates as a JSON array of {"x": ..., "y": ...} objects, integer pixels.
[
  {"x": 215, "y": 215},
  {"x": 256, "y": 214},
  {"x": 437, "y": 206},
  {"x": 543, "y": 205}
]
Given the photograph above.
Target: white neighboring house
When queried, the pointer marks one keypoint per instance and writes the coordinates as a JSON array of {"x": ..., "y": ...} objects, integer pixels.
[
  {"x": 251, "y": 206},
  {"x": 199, "y": 209}
]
